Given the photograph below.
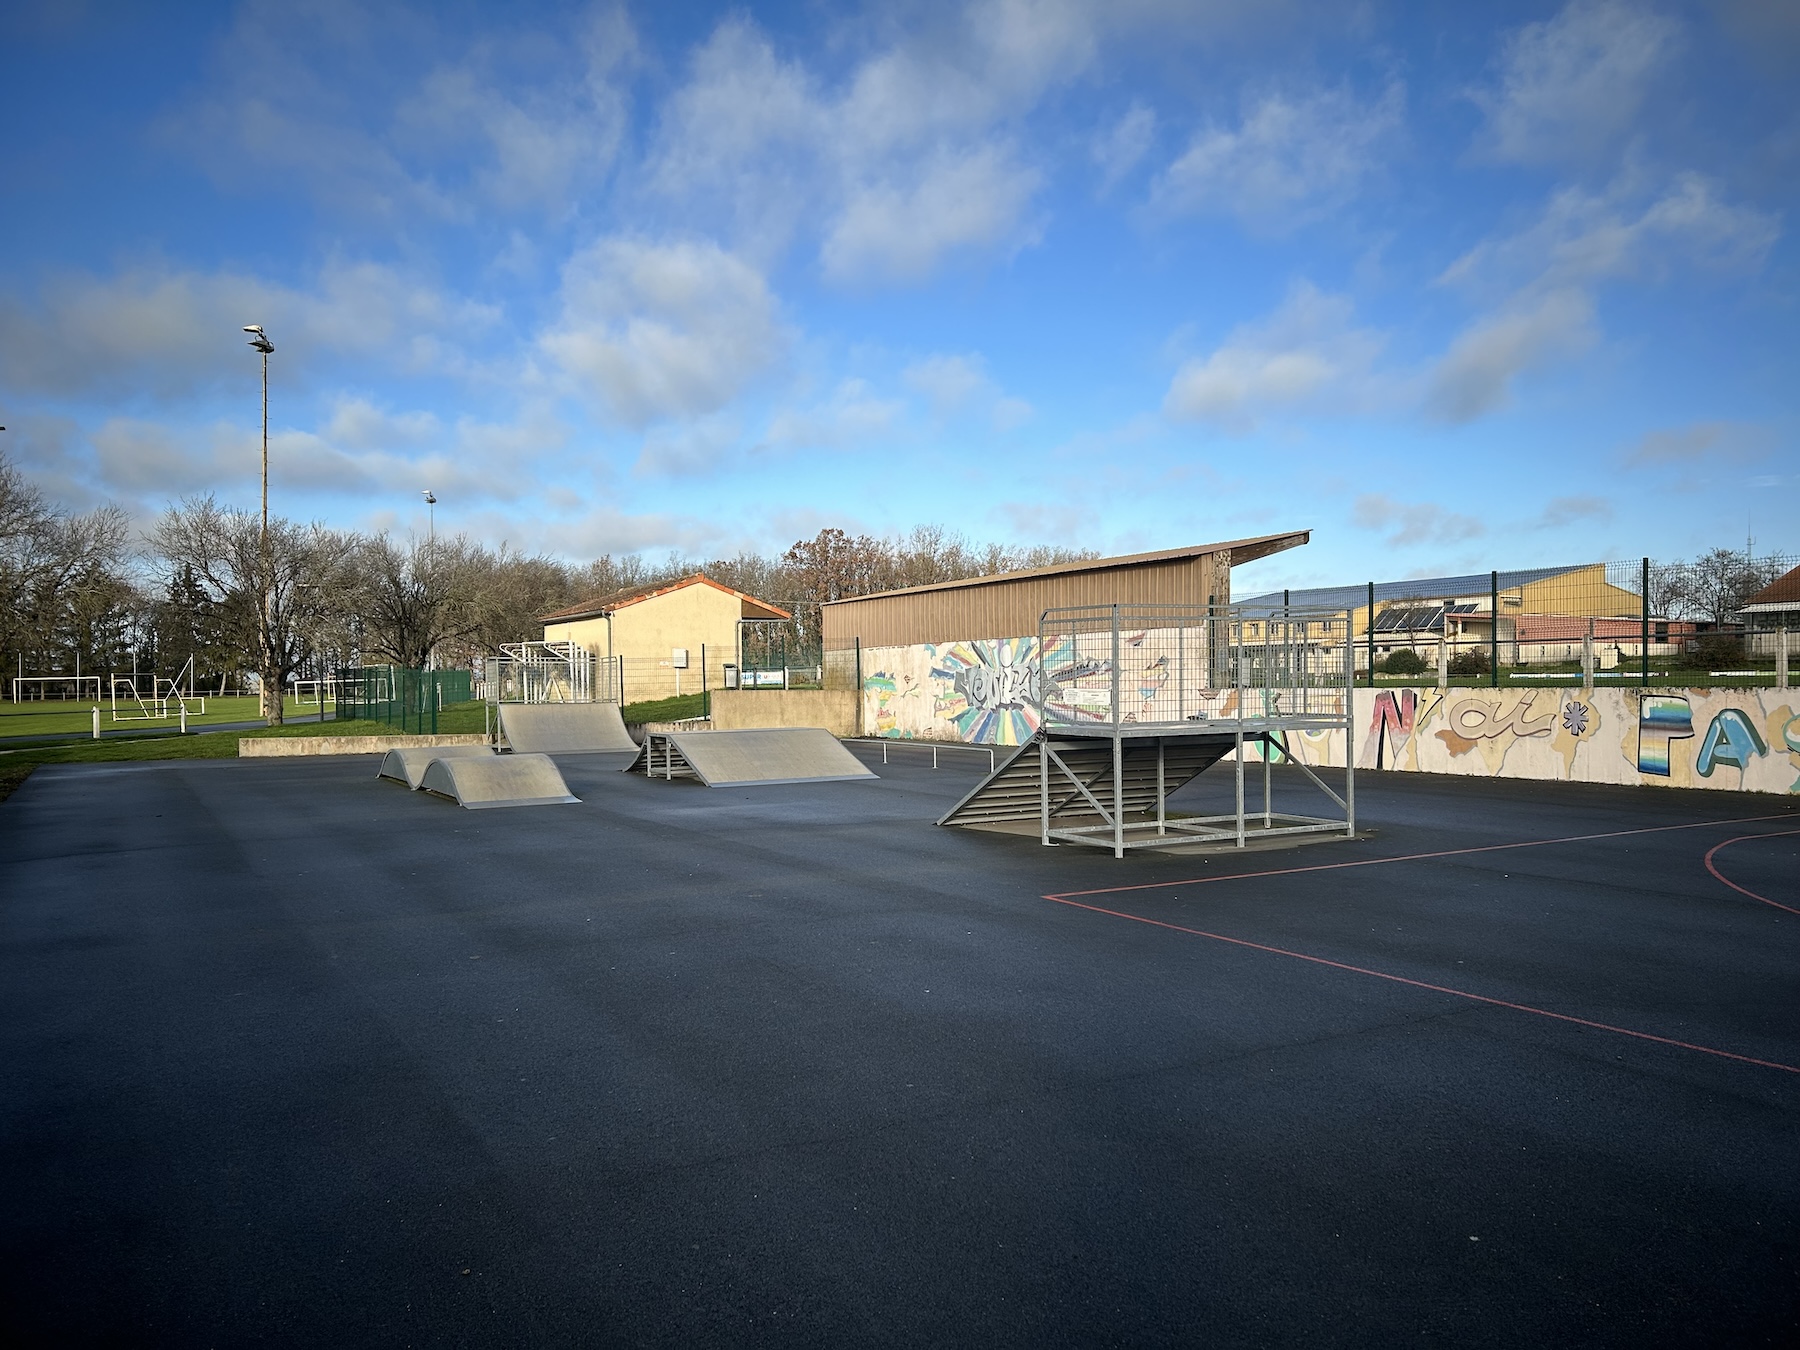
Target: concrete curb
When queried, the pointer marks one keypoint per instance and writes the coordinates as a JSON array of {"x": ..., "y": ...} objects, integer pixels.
[{"x": 269, "y": 747}]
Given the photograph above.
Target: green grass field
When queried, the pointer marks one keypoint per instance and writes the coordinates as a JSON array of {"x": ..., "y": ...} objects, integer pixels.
[
  {"x": 665, "y": 709},
  {"x": 17, "y": 763},
  {"x": 72, "y": 718}
]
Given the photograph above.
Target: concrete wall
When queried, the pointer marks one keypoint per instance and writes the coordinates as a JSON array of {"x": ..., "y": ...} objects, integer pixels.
[
  {"x": 1734, "y": 739},
  {"x": 267, "y": 747},
  {"x": 833, "y": 709}
]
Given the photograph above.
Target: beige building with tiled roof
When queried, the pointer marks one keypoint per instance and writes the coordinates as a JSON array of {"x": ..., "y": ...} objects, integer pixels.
[{"x": 659, "y": 629}]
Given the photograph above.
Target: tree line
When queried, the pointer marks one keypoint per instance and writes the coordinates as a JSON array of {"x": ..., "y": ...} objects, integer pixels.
[{"x": 203, "y": 585}]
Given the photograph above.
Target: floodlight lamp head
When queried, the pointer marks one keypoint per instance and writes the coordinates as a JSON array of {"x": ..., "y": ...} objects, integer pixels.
[
  {"x": 429, "y": 499},
  {"x": 253, "y": 328}
]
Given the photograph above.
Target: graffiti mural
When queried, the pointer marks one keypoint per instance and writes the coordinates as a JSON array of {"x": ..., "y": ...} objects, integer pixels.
[
  {"x": 987, "y": 691},
  {"x": 1662, "y": 719}
]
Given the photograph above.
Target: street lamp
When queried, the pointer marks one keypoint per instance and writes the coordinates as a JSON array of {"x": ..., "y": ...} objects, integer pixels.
[
  {"x": 431, "y": 514},
  {"x": 260, "y": 341}
]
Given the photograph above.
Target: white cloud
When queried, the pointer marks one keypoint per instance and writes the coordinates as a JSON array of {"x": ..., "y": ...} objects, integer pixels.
[
  {"x": 1572, "y": 85},
  {"x": 1306, "y": 355},
  {"x": 1476, "y": 375},
  {"x": 1700, "y": 442},
  {"x": 1583, "y": 238},
  {"x": 1122, "y": 146},
  {"x": 948, "y": 382},
  {"x": 1561, "y": 511},
  {"x": 650, "y": 330},
  {"x": 1549, "y": 274},
  {"x": 900, "y": 229},
  {"x": 1287, "y": 159},
  {"x": 153, "y": 329},
  {"x": 375, "y": 113},
  {"x": 850, "y": 419},
  {"x": 357, "y": 424},
  {"x": 1405, "y": 523},
  {"x": 955, "y": 384},
  {"x": 909, "y": 160},
  {"x": 687, "y": 449}
]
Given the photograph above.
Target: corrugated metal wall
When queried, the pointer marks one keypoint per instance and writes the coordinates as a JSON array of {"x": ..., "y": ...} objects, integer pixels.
[{"x": 1002, "y": 609}]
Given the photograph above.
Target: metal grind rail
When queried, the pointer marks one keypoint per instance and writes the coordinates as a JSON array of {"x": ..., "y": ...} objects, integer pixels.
[{"x": 885, "y": 741}]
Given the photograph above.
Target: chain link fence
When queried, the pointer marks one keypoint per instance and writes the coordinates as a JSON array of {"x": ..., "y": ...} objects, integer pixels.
[
  {"x": 1625, "y": 622},
  {"x": 405, "y": 699}
]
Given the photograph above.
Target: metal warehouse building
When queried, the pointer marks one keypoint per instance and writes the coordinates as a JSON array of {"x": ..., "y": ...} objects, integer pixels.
[{"x": 1008, "y": 605}]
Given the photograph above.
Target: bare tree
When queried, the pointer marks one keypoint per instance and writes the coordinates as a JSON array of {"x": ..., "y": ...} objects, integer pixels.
[
  {"x": 65, "y": 591},
  {"x": 275, "y": 605},
  {"x": 415, "y": 597},
  {"x": 1713, "y": 587}
]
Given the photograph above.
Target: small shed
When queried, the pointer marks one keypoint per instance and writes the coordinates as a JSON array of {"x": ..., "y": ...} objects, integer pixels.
[{"x": 1008, "y": 604}]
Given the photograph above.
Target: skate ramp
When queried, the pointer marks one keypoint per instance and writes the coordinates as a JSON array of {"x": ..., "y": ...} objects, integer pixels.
[
  {"x": 749, "y": 757},
  {"x": 498, "y": 780},
  {"x": 1015, "y": 790},
  {"x": 564, "y": 728},
  {"x": 408, "y": 765}
]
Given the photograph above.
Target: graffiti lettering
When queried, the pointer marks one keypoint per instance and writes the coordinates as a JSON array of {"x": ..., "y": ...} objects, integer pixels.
[
  {"x": 1575, "y": 718},
  {"x": 991, "y": 687},
  {"x": 1475, "y": 720},
  {"x": 1662, "y": 718},
  {"x": 1731, "y": 740},
  {"x": 1395, "y": 715}
]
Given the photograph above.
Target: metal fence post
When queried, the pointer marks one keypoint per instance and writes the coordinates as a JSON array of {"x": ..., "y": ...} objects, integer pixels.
[
  {"x": 1644, "y": 631},
  {"x": 1493, "y": 630},
  {"x": 858, "y": 723},
  {"x": 1371, "y": 635}
]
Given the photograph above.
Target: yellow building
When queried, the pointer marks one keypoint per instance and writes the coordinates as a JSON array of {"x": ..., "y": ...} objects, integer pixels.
[{"x": 666, "y": 638}]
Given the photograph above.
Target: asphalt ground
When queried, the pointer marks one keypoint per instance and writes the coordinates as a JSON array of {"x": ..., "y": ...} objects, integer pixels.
[{"x": 293, "y": 1056}]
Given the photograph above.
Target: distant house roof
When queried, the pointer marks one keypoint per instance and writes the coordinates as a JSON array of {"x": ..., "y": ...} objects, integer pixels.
[
  {"x": 602, "y": 605},
  {"x": 1419, "y": 588},
  {"x": 1781, "y": 594},
  {"x": 1241, "y": 550}
]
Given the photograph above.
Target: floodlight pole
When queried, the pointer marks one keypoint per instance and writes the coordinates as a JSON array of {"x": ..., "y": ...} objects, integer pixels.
[{"x": 260, "y": 341}]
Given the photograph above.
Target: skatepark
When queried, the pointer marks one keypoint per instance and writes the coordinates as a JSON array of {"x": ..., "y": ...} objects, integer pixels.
[{"x": 299, "y": 1055}]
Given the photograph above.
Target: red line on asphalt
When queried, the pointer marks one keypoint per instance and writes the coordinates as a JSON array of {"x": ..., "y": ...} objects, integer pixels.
[
  {"x": 1442, "y": 853},
  {"x": 1771, "y": 834},
  {"x": 1434, "y": 988}
]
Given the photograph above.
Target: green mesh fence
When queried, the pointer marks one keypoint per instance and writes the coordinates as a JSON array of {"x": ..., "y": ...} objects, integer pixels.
[{"x": 407, "y": 700}]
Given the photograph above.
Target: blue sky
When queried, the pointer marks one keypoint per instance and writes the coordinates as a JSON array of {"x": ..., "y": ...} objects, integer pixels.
[{"x": 1453, "y": 286}]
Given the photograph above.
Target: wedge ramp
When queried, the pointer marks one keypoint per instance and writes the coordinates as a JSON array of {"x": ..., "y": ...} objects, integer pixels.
[
  {"x": 749, "y": 757},
  {"x": 498, "y": 780},
  {"x": 1017, "y": 789},
  {"x": 408, "y": 765},
  {"x": 564, "y": 728}
]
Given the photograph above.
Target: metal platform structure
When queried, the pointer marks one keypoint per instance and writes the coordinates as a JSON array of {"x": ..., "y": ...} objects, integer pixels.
[
  {"x": 545, "y": 672},
  {"x": 1135, "y": 701}
]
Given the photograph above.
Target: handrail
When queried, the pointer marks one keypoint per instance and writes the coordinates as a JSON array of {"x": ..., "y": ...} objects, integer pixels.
[{"x": 885, "y": 741}]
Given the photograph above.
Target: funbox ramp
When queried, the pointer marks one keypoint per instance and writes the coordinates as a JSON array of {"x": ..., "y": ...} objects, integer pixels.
[
  {"x": 408, "y": 765},
  {"x": 564, "y": 728},
  {"x": 1015, "y": 790},
  {"x": 498, "y": 780},
  {"x": 749, "y": 757}
]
